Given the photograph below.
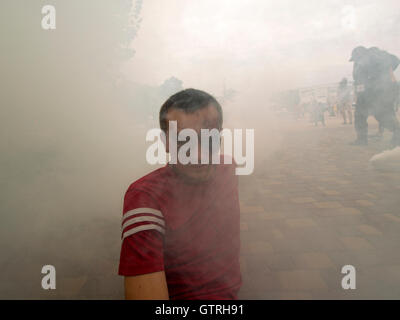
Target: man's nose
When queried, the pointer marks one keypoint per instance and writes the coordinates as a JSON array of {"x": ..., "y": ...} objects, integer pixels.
[{"x": 205, "y": 151}]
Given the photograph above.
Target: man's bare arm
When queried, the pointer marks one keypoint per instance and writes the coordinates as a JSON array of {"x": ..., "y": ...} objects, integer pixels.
[{"x": 151, "y": 286}]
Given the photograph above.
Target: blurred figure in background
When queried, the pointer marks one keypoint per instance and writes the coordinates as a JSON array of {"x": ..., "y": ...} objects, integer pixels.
[
  {"x": 345, "y": 101},
  {"x": 317, "y": 111},
  {"x": 331, "y": 106}
]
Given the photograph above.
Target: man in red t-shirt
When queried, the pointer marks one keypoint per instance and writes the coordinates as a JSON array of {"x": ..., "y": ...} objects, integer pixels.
[{"x": 180, "y": 225}]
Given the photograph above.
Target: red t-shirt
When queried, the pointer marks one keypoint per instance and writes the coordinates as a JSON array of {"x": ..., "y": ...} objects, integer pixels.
[{"x": 191, "y": 231}]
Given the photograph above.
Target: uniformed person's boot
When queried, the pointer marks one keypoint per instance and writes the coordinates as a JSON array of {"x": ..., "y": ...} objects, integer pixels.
[
  {"x": 396, "y": 139},
  {"x": 362, "y": 137}
]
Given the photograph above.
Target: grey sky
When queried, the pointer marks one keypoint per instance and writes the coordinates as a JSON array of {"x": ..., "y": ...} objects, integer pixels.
[{"x": 283, "y": 44}]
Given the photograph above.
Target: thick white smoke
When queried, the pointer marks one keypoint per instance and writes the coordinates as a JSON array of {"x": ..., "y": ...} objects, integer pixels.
[{"x": 388, "y": 160}]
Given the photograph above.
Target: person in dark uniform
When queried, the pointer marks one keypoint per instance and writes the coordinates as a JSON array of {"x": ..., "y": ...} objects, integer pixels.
[
  {"x": 376, "y": 91},
  {"x": 386, "y": 91}
]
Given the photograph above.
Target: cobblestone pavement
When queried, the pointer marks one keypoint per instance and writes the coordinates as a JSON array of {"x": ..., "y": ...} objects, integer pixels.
[{"x": 316, "y": 206}]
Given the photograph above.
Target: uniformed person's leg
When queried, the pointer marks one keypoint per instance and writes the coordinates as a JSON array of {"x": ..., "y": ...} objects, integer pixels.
[
  {"x": 381, "y": 129},
  {"x": 388, "y": 120},
  {"x": 396, "y": 134},
  {"x": 393, "y": 112},
  {"x": 350, "y": 113},
  {"x": 343, "y": 112},
  {"x": 361, "y": 124}
]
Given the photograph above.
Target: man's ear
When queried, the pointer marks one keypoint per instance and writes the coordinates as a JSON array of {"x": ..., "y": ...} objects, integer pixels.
[{"x": 165, "y": 141}]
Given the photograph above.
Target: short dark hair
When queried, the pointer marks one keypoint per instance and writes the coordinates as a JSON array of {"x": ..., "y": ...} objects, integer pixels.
[{"x": 188, "y": 100}]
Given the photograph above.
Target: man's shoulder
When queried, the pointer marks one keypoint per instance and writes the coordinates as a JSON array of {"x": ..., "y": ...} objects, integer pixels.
[
  {"x": 148, "y": 191},
  {"x": 150, "y": 181}
]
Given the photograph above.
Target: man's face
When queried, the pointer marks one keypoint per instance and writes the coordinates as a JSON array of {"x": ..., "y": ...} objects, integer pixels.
[{"x": 205, "y": 118}]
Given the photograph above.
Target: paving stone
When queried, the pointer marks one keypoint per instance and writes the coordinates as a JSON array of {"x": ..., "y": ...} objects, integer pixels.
[
  {"x": 313, "y": 260},
  {"x": 258, "y": 267},
  {"x": 70, "y": 287},
  {"x": 287, "y": 295},
  {"x": 367, "y": 258},
  {"x": 260, "y": 247},
  {"x": 370, "y": 230},
  {"x": 331, "y": 192},
  {"x": 270, "y": 215},
  {"x": 244, "y": 226},
  {"x": 349, "y": 211},
  {"x": 371, "y": 196},
  {"x": 356, "y": 243},
  {"x": 302, "y": 200},
  {"x": 299, "y": 280},
  {"x": 251, "y": 209},
  {"x": 277, "y": 196},
  {"x": 364, "y": 203},
  {"x": 300, "y": 223},
  {"x": 277, "y": 234},
  {"x": 243, "y": 264},
  {"x": 392, "y": 217},
  {"x": 328, "y": 204}
]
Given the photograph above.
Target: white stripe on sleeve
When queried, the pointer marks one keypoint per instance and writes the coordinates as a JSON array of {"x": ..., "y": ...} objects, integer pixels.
[
  {"x": 142, "y": 219},
  {"x": 142, "y": 228},
  {"x": 142, "y": 210}
]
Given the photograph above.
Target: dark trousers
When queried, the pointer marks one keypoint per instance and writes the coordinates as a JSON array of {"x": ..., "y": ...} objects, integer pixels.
[
  {"x": 380, "y": 104},
  {"x": 360, "y": 121}
]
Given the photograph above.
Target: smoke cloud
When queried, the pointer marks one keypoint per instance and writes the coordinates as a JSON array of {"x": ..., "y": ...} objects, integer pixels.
[{"x": 77, "y": 102}]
